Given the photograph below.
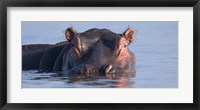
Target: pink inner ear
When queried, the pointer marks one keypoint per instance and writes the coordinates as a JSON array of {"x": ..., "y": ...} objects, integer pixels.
[
  {"x": 129, "y": 35},
  {"x": 69, "y": 34}
]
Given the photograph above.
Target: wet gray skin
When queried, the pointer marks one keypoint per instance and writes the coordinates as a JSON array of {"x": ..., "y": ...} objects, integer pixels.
[{"x": 99, "y": 52}]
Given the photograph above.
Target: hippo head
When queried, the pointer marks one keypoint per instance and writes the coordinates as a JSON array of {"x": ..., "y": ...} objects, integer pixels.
[{"x": 99, "y": 51}]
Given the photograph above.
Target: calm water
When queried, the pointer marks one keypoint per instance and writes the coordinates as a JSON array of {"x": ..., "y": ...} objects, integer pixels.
[
  {"x": 45, "y": 80},
  {"x": 156, "y": 50}
]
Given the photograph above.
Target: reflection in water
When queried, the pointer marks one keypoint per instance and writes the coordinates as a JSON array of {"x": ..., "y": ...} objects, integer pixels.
[
  {"x": 45, "y": 80},
  {"x": 124, "y": 82}
]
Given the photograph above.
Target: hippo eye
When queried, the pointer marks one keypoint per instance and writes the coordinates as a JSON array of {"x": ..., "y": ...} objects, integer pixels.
[{"x": 125, "y": 46}]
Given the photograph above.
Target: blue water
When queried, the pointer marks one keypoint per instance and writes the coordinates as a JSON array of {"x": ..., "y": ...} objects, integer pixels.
[{"x": 156, "y": 50}]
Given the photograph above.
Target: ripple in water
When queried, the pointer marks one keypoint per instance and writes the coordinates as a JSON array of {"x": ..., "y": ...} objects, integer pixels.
[{"x": 32, "y": 79}]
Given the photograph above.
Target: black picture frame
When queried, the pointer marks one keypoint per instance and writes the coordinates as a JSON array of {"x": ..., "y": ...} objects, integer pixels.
[{"x": 99, "y": 3}]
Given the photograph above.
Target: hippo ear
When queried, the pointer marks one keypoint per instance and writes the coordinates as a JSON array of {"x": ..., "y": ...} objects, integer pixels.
[
  {"x": 129, "y": 35},
  {"x": 70, "y": 34}
]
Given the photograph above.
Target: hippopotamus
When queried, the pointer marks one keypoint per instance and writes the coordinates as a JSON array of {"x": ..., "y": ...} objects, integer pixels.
[
  {"x": 41, "y": 56},
  {"x": 95, "y": 52}
]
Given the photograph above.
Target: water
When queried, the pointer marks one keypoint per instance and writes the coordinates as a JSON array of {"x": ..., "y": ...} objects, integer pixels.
[
  {"x": 156, "y": 50},
  {"x": 48, "y": 80}
]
